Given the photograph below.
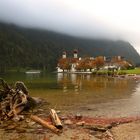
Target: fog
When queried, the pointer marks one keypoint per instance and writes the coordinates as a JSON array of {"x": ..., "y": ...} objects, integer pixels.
[{"x": 113, "y": 19}]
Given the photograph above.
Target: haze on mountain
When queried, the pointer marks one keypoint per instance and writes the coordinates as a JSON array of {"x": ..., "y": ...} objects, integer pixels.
[
  {"x": 40, "y": 49},
  {"x": 113, "y": 19}
]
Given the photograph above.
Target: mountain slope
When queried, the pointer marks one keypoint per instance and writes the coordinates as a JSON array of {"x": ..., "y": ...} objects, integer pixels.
[{"x": 34, "y": 48}]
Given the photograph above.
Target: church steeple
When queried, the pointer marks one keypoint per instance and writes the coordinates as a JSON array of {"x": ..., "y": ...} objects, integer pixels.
[
  {"x": 64, "y": 55},
  {"x": 75, "y": 53}
]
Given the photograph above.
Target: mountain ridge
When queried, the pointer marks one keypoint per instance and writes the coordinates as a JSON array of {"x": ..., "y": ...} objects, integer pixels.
[{"x": 35, "y": 48}]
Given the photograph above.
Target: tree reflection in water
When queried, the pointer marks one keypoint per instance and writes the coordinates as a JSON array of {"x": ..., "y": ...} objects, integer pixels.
[{"x": 97, "y": 85}]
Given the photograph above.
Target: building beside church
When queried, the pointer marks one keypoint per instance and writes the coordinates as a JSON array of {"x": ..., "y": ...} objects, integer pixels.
[{"x": 77, "y": 64}]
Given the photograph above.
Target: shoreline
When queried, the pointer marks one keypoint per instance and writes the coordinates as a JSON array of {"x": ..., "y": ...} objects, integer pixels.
[{"x": 75, "y": 127}]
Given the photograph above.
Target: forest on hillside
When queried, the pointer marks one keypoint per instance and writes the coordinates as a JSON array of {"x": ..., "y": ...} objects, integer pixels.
[{"x": 40, "y": 49}]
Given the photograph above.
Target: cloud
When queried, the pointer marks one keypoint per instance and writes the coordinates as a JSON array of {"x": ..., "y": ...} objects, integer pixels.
[{"x": 90, "y": 18}]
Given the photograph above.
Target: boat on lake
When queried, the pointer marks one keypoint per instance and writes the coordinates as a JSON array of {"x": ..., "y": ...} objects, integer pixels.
[{"x": 33, "y": 72}]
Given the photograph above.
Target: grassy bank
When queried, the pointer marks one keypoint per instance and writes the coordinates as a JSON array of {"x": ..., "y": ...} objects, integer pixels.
[
  {"x": 120, "y": 72},
  {"x": 132, "y": 71}
]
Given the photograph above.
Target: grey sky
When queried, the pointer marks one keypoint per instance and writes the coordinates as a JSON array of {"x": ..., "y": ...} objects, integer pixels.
[{"x": 117, "y": 19}]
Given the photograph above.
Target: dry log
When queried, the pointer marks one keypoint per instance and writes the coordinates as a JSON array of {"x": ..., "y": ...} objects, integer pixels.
[
  {"x": 45, "y": 124},
  {"x": 19, "y": 85},
  {"x": 18, "y": 106},
  {"x": 13, "y": 101},
  {"x": 55, "y": 119},
  {"x": 99, "y": 128},
  {"x": 23, "y": 98}
]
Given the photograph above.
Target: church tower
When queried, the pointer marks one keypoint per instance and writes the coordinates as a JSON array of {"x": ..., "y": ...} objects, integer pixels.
[
  {"x": 64, "y": 55},
  {"x": 75, "y": 53}
]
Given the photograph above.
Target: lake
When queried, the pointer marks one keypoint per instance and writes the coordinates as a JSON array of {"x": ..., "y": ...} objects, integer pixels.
[{"x": 83, "y": 93}]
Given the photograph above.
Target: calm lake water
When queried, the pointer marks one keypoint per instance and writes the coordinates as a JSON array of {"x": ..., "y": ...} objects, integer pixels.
[{"x": 85, "y": 94}]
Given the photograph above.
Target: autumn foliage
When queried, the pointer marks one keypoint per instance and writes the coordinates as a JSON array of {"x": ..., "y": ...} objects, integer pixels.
[
  {"x": 88, "y": 63},
  {"x": 84, "y": 64},
  {"x": 99, "y": 62},
  {"x": 91, "y": 63},
  {"x": 64, "y": 64}
]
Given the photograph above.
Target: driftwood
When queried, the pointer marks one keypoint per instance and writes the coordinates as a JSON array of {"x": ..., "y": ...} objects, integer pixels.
[
  {"x": 104, "y": 129},
  {"x": 99, "y": 128},
  {"x": 45, "y": 124},
  {"x": 19, "y": 104},
  {"x": 21, "y": 86},
  {"x": 55, "y": 119},
  {"x": 13, "y": 100}
]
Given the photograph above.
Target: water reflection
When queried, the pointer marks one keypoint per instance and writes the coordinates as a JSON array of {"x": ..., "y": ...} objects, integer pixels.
[
  {"x": 69, "y": 81},
  {"x": 103, "y": 95},
  {"x": 31, "y": 76},
  {"x": 80, "y": 92},
  {"x": 95, "y": 84}
]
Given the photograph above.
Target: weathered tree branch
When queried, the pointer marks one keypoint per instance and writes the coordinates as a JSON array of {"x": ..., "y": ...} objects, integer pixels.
[
  {"x": 12, "y": 101},
  {"x": 45, "y": 124},
  {"x": 55, "y": 119}
]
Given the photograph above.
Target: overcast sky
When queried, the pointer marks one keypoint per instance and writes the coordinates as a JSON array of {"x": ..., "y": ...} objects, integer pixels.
[{"x": 116, "y": 19}]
